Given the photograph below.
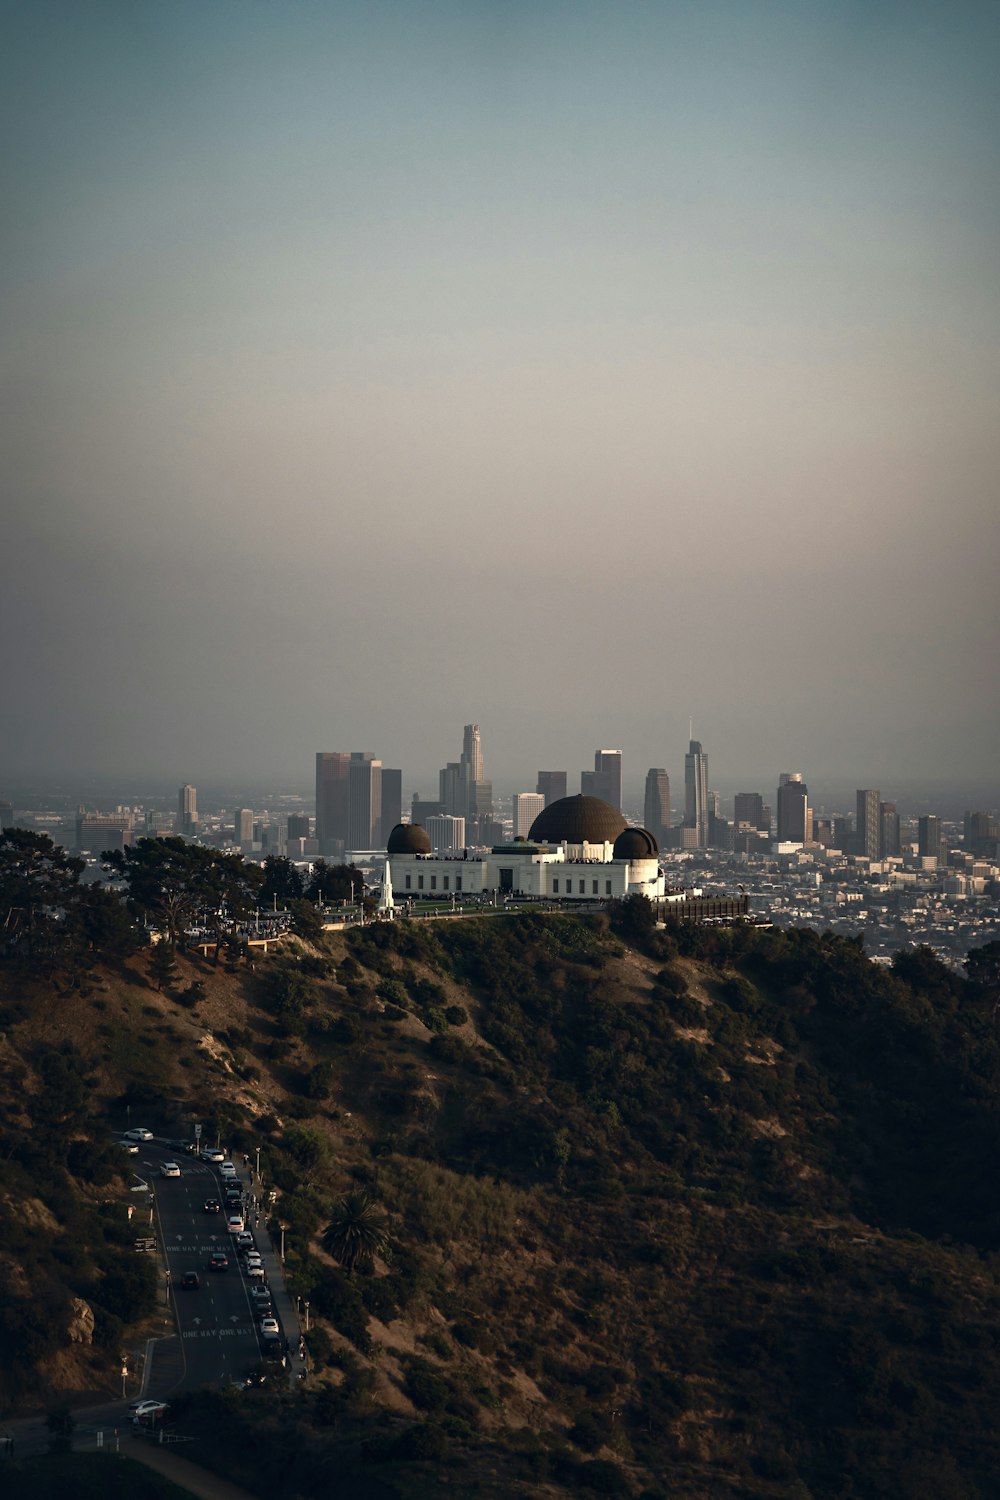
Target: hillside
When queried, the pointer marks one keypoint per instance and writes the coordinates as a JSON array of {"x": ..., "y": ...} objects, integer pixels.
[{"x": 702, "y": 1214}]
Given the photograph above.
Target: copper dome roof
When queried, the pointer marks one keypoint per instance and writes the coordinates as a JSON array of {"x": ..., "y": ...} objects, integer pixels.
[
  {"x": 408, "y": 838},
  {"x": 635, "y": 843},
  {"x": 577, "y": 820}
]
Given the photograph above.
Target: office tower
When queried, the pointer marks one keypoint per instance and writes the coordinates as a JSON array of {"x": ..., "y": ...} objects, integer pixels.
[
  {"x": 298, "y": 826},
  {"x": 605, "y": 780},
  {"x": 868, "y": 830},
  {"x": 6, "y": 815},
  {"x": 656, "y": 804},
  {"x": 527, "y": 806},
  {"x": 447, "y": 834},
  {"x": 749, "y": 808},
  {"x": 451, "y": 789},
  {"x": 980, "y": 831},
  {"x": 331, "y": 801},
  {"x": 187, "y": 811},
  {"x": 794, "y": 814},
  {"x": 392, "y": 802},
  {"x": 243, "y": 825},
  {"x": 888, "y": 830},
  {"x": 472, "y": 753},
  {"x": 929, "y": 837},
  {"x": 99, "y": 831},
  {"x": 364, "y": 800},
  {"x": 696, "y": 796},
  {"x": 551, "y": 785}
]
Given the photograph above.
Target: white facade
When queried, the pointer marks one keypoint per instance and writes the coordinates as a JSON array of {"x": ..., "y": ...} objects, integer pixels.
[
  {"x": 527, "y": 806},
  {"x": 446, "y": 833},
  {"x": 561, "y": 872}
]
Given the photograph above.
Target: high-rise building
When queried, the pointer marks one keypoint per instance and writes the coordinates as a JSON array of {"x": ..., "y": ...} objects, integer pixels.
[
  {"x": 605, "y": 780},
  {"x": 696, "y": 795},
  {"x": 6, "y": 815},
  {"x": 422, "y": 808},
  {"x": 472, "y": 753},
  {"x": 364, "y": 800},
  {"x": 187, "y": 811},
  {"x": 331, "y": 801},
  {"x": 298, "y": 826},
  {"x": 392, "y": 802},
  {"x": 527, "y": 806},
  {"x": 463, "y": 790},
  {"x": 452, "y": 793},
  {"x": 656, "y": 804},
  {"x": 748, "y": 808},
  {"x": 447, "y": 834},
  {"x": 243, "y": 825},
  {"x": 980, "y": 832},
  {"x": 794, "y": 813},
  {"x": 888, "y": 831},
  {"x": 868, "y": 830},
  {"x": 96, "y": 832},
  {"x": 551, "y": 785},
  {"x": 929, "y": 837}
]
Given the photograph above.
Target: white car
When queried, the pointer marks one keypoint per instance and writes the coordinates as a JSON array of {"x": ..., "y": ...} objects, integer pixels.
[
  {"x": 147, "y": 1411},
  {"x": 212, "y": 1153},
  {"x": 235, "y": 1224},
  {"x": 226, "y": 1169},
  {"x": 255, "y": 1272},
  {"x": 269, "y": 1328},
  {"x": 140, "y": 1133},
  {"x": 130, "y": 1147},
  {"x": 170, "y": 1169}
]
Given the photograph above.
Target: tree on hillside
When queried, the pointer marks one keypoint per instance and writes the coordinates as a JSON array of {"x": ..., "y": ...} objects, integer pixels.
[
  {"x": 282, "y": 881},
  {"x": 357, "y": 1232},
  {"x": 159, "y": 875},
  {"x": 39, "y": 890},
  {"x": 162, "y": 967},
  {"x": 335, "y": 883}
]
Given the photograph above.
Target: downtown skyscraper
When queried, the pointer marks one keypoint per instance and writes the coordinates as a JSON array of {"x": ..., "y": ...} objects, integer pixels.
[{"x": 696, "y": 794}]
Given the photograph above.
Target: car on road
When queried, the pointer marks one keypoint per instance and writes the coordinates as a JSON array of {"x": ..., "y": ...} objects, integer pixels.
[
  {"x": 148, "y": 1411},
  {"x": 269, "y": 1328},
  {"x": 218, "y": 1261},
  {"x": 255, "y": 1272},
  {"x": 182, "y": 1145},
  {"x": 190, "y": 1281},
  {"x": 244, "y": 1240},
  {"x": 130, "y": 1147},
  {"x": 170, "y": 1169},
  {"x": 139, "y": 1133},
  {"x": 226, "y": 1169},
  {"x": 212, "y": 1153},
  {"x": 260, "y": 1299},
  {"x": 212, "y": 1206},
  {"x": 234, "y": 1223}
]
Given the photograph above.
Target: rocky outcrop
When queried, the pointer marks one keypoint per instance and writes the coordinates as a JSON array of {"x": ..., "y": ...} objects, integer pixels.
[{"x": 81, "y": 1324}]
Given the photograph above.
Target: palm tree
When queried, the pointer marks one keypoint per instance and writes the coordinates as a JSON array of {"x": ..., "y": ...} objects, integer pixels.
[{"x": 357, "y": 1232}]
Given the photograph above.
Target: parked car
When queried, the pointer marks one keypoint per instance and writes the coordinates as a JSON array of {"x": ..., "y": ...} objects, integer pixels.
[
  {"x": 212, "y": 1205},
  {"x": 213, "y": 1154},
  {"x": 255, "y": 1273},
  {"x": 139, "y": 1133},
  {"x": 148, "y": 1411},
  {"x": 226, "y": 1169},
  {"x": 234, "y": 1223},
  {"x": 190, "y": 1282},
  {"x": 218, "y": 1261},
  {"x": 181, "y": 1145},
  {"x": 170, "y": 1169},
  {"x": 244, "y": 1240},
  {"x": 260, "y": 1299},
  {"x": 269, "y": 1328}
]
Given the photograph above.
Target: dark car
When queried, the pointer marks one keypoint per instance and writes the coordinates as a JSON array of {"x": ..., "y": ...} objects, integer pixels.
[
  {"x": 212, "y": 1205},
  {"x": 218, "y": 1261},
  {"x": 190, "y": 1282}
]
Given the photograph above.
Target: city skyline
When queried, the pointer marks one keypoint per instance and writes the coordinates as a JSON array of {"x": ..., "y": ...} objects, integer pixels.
[{"x": 308, "y": 310}]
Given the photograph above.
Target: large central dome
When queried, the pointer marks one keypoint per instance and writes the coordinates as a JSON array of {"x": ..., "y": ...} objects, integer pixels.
[{"x": 577, "y": 820}]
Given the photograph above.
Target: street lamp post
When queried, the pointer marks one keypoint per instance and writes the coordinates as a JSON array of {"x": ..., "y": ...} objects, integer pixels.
[
  {"x": 124, "y": 1375},
  {"x": 284, "y": 1226},
  {"x": 257, "y": 1149},
  {"x": 307, "y": 1314}
]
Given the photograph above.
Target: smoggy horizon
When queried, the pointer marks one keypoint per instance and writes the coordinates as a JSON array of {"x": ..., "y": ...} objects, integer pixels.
[{"x": 575, "y": 370}]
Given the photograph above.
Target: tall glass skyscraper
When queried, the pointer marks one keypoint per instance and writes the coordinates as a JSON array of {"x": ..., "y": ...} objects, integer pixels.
[{"x": 696, "y": 792}]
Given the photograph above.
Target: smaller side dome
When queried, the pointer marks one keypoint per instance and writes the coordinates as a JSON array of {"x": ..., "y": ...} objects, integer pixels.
[
  {"x": 408, "y": 838},
  {"x": 635, "y": 843}
]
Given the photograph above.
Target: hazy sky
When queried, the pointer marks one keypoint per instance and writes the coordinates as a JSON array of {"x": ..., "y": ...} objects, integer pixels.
[{"x": 574, "y": 368}]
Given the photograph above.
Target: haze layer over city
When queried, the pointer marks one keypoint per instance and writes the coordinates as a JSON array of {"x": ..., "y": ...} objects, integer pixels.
[{"x": 370, "y": 370}]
